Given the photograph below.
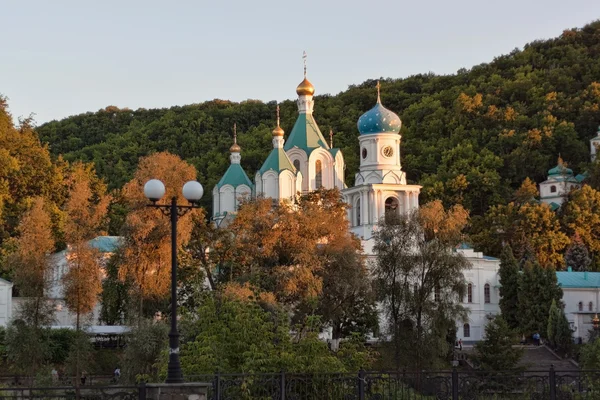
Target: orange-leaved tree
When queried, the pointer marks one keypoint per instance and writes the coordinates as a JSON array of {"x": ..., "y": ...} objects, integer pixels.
[
  {"x": 86, "y": 211},
  {"x": 30, "y": 263},
  {"x": 146, "y": 259}
]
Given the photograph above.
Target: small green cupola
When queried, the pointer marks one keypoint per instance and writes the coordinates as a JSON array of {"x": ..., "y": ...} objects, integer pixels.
[
  {"x": 233, "y": 185},
  {"x": 560, "y": 169}
]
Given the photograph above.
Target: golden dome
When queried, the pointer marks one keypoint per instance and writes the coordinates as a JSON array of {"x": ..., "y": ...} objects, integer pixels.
[
  {"x": 278, "y": 131},
  {"x": 305, "y": 88},
  {"x": 235, "y": 148}
]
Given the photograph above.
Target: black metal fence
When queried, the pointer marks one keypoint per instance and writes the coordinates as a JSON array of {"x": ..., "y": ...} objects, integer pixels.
[
  {"x": 392, "y": 385},
  {"x": 72, "y": 393}
]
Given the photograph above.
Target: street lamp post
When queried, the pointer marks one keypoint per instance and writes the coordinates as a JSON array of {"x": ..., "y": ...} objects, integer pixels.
[{"x": 154, "y": 190}]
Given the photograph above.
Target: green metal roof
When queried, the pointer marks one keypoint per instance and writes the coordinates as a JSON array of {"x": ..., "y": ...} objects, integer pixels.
[
  {"x": 554, "y": 206},
  {"x": 305, "y": 135},
  {"x": 568, "y": 279},
  {"x": 334, "y": 151},
  {"x": 235, "y": 176},
  {"x": 277, "y": 161},
  {"x": 106, "y": 244},
  {"x": 560, "y": 170}
]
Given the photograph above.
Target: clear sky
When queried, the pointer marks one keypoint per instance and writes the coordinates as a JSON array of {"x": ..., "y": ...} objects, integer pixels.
[{"x": 60, "y": 58}]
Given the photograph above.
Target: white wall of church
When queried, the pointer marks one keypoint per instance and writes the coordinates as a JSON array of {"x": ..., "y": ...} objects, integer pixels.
[
  {"x": 227, "y": 199},
  {"x": 581, "y": 304},
  {"x": 378, "y": 148},
  {"x": 242, "y": 192},
  {"x": 339, "y": 170},
  {"x": 5, "y": 302},
  {"x": 325, "y": 159},
  {"x": 287, "y": 185},
  {"x": 270, "y": 184},
  {"x": 298, "y": 158},
  {"x": 556, "y": 191},
  {"x": 483, "y": 300}
]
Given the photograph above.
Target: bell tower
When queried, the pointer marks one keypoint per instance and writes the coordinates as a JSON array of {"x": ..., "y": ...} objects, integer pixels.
[{"x": 380, "y": 185}]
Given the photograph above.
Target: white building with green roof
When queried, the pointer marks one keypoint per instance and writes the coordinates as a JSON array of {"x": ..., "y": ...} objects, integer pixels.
[
  {"x": 320, "y": 164},
  {"x": 278, "y": 178},
  {"x": 233, "y": 187},
  {"x": 555, "y": 189}
]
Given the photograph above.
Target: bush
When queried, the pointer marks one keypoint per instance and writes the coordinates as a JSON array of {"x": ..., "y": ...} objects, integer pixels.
[{"x": 60, "y": 341}]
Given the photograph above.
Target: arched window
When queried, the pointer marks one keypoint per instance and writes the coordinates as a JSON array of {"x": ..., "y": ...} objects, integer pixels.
[
  {"x": 318, "y": 174},
  {"x": 391, "y": 206},
  {"x": 357, "y": 212},
  {"x": 469, "y": 293},
  {"x": 466, "y": 330},
  {"x": 591, "y": 306},
  {"x": 580, "y": 306},
  {"x": 297, "y": 165},
  {"x": 486, "y": 293},
  {"x": 552, "y": 189}
]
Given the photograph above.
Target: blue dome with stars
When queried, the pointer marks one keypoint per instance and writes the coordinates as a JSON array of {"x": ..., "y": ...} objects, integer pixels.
[{"x": 379, "y": 120}]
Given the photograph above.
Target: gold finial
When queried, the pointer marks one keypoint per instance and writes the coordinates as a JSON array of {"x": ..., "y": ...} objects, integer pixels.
[
  {"x": 304, "y": 59},
  {"x": 305, "y": 88},
  {"x": 331, "y": 138},
  {"x": 278, "y": 131},
  {"x": 378, "y": 86},
  {"x": 235, "y": 148}
]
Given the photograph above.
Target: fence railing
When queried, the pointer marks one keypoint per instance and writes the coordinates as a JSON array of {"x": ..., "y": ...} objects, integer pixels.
[
  {"x": 395, "y": 385},
  {"x": 364, "y": 385}
]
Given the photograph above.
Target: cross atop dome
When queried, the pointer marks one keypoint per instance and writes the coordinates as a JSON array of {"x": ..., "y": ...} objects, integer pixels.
[
  {"x": 305, "y": 88},
  {"x": 304, "y": 59},
  {"x": 378, "y": 92},
  {"x": 235, "y": 148}
]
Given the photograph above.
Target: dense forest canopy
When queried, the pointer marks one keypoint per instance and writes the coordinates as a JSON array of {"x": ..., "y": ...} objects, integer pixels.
[{"x": 468, "y": 138}]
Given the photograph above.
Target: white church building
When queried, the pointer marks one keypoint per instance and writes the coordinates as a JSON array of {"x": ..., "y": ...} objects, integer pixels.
[
  {"x": 306, "y": 162},
  {"x": 63, "y": 317}
]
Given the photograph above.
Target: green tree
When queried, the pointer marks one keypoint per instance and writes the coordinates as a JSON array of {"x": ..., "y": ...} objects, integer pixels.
[
  {"x": 563, "y": 335},
  {"x": 538, "y": 288},
  {"x": 496, "y": 352},
  {"x": 553, "y": 318},
  {"x": 145, "y": 352},
  {"x": 27, "y": 348},
  {"x": 114, "y": 297},
  {"x": 577, "y": 256},
  {"x": 420, "y": 280},
  {"x": 590, "y": 355},
  {"x": 231, "y": 335},
  {"x": 509, "y": 287}
]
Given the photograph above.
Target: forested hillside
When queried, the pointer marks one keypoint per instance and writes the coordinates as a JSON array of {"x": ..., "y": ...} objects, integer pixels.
[{"x": 470, "y": 138}]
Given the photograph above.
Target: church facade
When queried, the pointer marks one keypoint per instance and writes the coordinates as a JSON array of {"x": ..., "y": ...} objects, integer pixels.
[{"x": 306, "y": 161}]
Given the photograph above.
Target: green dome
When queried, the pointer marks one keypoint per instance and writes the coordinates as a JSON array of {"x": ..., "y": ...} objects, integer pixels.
[{"x": 560, "y": 170}]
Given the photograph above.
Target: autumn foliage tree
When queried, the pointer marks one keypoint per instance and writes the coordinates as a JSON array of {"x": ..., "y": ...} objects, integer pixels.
[
  {"x": 32, "y": 270},
  {"x": 523, "y": 223},
  {"x": 86, "y": 215},
  {"x": 145, "y": 259},
  {"x": 581, "y": 217},
  {"x": 31, "y": 264},
  {"x": 283, "y": 249}
]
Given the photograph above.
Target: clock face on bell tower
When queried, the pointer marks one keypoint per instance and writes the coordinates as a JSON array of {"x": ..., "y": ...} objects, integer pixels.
[{"x": 387, "y": 151}]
